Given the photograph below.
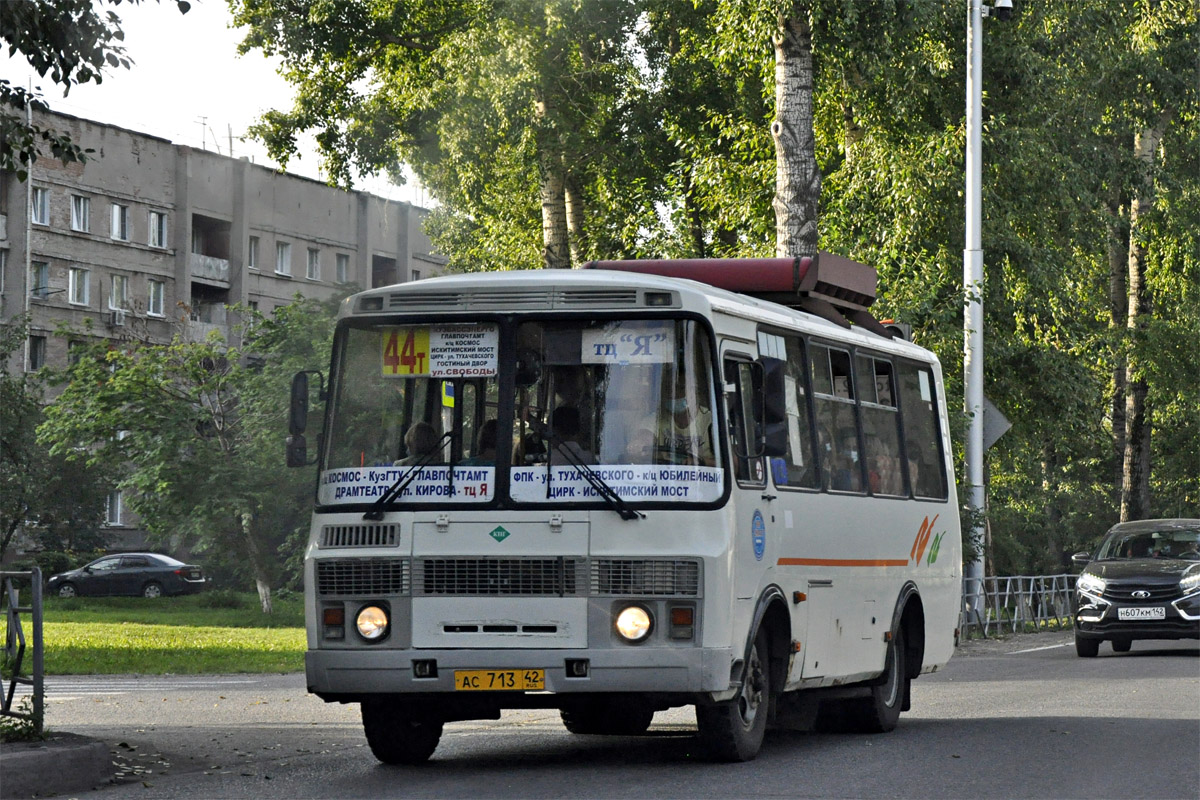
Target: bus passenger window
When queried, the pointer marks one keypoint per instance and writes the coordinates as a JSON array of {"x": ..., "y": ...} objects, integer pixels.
[
  {"x": 836, "y": 418},
  {"x": 742, "y": 441},
  {"x": 922, "y": 432},
  {"x": 881, "y": 426}
]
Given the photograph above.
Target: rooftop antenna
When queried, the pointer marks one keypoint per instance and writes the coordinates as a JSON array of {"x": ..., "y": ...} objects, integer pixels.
[{"x": 203, "y": 135}]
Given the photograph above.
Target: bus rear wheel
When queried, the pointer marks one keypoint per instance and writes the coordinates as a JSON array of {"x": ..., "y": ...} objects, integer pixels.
[
  {"x": 397, "y": 734},
  {"x": 608, "y": 719},
  {"x": 733, "y": 730}
]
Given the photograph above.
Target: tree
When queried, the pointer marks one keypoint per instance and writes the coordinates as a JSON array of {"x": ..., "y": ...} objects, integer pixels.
[
  {"x": 73, "y": 42},
  {"x": 193, "y": 432},
  {"x": 56, "y": 503}
]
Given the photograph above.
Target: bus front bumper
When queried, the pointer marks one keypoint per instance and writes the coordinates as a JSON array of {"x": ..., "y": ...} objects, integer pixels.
[{"x": 339, "y": 675}]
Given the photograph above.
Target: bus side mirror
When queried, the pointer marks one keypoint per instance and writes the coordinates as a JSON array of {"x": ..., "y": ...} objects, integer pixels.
[
  {"x": 774, "y": 407},
  {"x": 297, "y": 451},
  {"x": 298, "y": 409}
]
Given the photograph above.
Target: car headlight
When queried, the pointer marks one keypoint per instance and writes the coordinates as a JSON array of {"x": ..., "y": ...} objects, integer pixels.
[
  {"x": 634, "y": 623},
  {"x": 1190, "y": 582},
  {"x": 372, "y": 623},
  {"x": 1090, "y": 584}
]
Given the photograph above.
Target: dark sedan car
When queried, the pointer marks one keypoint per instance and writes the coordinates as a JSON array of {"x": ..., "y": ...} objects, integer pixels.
[
  {"x": 1143, "y": 583},
  {"x": 133, "y": 574}
]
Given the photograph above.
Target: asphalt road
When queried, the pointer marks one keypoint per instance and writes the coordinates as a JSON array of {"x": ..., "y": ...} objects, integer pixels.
[{"x": 1022, "y": 718}]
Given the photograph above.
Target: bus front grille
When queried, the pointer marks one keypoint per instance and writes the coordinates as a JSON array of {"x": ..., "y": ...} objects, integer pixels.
[
  {"x": 651, "y": 577},
  {"x": 504, "y": 577},
  {"x": 360, "y": 536},
  {"x": 363, "y": 576}
]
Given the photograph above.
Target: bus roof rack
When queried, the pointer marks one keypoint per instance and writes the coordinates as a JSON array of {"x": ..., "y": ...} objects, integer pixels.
[{"x": 830, "y": 286}]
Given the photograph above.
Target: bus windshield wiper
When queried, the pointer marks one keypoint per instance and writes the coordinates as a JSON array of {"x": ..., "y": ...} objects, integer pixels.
[
  {"x": 375, "y": 512},
  {"x": 602, "y": 487}
]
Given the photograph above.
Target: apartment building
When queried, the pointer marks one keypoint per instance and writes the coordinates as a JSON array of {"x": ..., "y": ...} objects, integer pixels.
[{"x": 150, "y": 238}]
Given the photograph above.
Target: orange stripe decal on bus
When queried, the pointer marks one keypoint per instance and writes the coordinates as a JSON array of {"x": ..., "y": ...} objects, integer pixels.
[{"x": 842, "y": 562}]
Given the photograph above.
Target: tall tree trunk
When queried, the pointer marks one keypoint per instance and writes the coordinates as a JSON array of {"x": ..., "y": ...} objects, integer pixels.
[
  {"x": 1118, "y": 300},
  {"x": 548, "y": 141},
  {"x": 573, "y": 208},
  {"x": 258, "y": 564},
  {"x": 1135, "y": 478},
  {"x": 797, "y": 179}
]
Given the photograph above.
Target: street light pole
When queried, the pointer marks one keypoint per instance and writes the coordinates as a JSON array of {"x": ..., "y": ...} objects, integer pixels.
[{"x": 973, "y": 299}]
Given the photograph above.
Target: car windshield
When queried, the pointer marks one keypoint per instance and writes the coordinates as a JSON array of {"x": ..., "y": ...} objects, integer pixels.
[
  {"x": 599, "y": 408},
  {"x": 1173, "y": 543}
]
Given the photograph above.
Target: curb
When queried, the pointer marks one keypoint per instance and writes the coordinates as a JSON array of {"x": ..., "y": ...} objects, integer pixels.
[{"x": 63, "y": 762}]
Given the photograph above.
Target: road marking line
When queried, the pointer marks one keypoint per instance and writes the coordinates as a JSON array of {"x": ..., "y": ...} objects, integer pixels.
[{"x": 1035, "y": 649}]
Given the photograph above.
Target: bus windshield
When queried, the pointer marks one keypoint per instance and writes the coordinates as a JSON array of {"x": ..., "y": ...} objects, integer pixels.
[{"x": 630, "y": 404}]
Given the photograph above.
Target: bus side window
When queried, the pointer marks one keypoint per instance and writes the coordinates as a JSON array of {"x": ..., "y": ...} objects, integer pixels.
[
  {"x": 922, "y": 432},
  {"x": 837, "y": 420},
  {"x": 881, "y": 426}
]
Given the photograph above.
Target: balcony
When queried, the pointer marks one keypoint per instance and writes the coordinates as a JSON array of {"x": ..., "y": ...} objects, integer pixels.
[{"x": 210, "y": 269}]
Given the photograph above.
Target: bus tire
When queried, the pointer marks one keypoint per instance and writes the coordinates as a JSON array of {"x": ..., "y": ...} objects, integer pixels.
[
  {"x": 613, "y": 719},
  {"x": 398, "y": 735},
  {"x": 733, "y": 730}
]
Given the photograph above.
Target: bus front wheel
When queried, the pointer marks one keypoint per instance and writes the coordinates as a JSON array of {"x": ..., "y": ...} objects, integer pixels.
[
  {"x": 733, "y": 730},
  {"x": 399, "y": 735}
]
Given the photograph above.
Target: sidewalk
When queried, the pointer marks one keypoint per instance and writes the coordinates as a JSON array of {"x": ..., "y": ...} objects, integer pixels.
[{"x": 63, "y": 762}]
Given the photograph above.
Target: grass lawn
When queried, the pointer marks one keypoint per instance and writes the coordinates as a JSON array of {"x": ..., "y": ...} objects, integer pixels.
[{"x": 180, "y": 635}]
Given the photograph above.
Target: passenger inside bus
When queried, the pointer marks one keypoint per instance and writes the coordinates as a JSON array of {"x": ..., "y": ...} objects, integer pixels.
[
  {"x": 485, "y": 447},
  {"x": 567, "y": 438},
  {"x": 420, "y": 441},
  {"x": 684, "y": 430}
]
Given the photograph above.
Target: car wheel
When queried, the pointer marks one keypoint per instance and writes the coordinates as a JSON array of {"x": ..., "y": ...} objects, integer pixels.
[
  {"x": 1086, "y": 648},
  {"x": 397, "y": 735},
  {"x": 1122, "y": 645},
  {"x": 733, "y": 730},
  {"x": 152, "y": 590},
  {"x": 68, "y": 590}
]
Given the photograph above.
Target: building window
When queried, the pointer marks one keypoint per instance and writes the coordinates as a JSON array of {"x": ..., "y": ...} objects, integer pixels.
[
  {"x": 75, "y": 350},
  {"x": 253, "y": 305},
  {"x": 252, "y": 253},
  {"x": 158, "y": 229},
  {"x": 416, "y": 275},
  {"x": 120, "y": 222},
  {"x": 39, "y": 279},
  {"x": 283, "y": 258},
  {"x": 118, "y": 298},
  {"x": 112, "y": 508},
  {"x": 81, "y": 212},
  {"x": 154, "y": 304},
  {"x": 41, "y": 206},
  {"x": 314, "y": 264},
  {"x": 77, "y": 289},
  {"x": 343, "y": 267},
  {"x": 37, "y": 352}
]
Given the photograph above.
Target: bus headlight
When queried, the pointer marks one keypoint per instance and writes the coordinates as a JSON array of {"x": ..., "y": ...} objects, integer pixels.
[
  {"x": 372, "y": 623},
  {"x": 634, "y": 623}
]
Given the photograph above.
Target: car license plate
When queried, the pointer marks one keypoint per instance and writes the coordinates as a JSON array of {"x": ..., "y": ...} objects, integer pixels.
[
  {"x": 1148, "y": 612},
  {"x": 499, "y": 680}
]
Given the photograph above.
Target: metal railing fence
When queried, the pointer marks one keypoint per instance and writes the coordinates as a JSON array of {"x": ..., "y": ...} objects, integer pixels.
[
  {"x": 1016, "y": 604},
  {"x": 11, "y": 675}
]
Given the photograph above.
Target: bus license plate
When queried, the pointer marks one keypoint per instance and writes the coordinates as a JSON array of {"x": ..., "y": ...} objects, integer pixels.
[
  {"x": 499, "y": 680},
  {"x": 1151, "y": 612}
]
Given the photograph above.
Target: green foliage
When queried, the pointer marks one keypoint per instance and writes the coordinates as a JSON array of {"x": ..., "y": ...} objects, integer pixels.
[
  {"x": 69, "y": 41},
  {"x": 223, "y": 598},
  {"x": 26, "y": 728},
  {"x": 202, "y": 426},
  {"x": 64, "y": 499}
]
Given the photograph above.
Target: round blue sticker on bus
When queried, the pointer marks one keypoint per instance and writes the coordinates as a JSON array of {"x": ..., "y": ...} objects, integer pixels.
[{"x": 758, "y": 529}]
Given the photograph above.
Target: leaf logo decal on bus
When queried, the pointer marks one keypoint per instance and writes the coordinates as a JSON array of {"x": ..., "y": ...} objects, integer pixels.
[{"x": 922, "y": 541}]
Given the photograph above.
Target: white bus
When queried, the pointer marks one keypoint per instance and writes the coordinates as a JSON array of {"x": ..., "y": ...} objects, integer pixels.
[{"x": 614, "y": 491}]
